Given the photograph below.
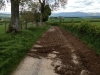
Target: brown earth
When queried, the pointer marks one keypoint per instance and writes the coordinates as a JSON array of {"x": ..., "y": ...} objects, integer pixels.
[{"x": 69, "y": 54}]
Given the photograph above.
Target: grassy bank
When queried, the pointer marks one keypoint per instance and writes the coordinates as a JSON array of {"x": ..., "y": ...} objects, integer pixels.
[
  {"x": 90, "y": 34},
  {"x": 13, "y": 47}
]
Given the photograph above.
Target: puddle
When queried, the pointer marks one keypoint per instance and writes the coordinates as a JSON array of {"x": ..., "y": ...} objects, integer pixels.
[{"x": 34, "y": 66}]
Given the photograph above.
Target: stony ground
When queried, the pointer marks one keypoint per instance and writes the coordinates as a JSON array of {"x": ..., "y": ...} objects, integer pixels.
[{"x": 58, "y": 52}]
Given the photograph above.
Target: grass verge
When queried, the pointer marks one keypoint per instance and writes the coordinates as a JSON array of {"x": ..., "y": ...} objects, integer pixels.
[
  {"x": 14, "y": 46},
  {"x": 90, "y": 34}
]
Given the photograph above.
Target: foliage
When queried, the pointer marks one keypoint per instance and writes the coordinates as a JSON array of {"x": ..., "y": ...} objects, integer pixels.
[
  {"x": 27, "y": 16},
  {"x": 47, "y": 13},
  {"x": 34, "y": 15},
  {"x": 1, "y": 4},
  {"x": 54, "y": 4}
]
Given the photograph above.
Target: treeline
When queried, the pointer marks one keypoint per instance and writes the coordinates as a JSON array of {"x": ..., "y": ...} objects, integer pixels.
[
  {"x": 73, "y": 19},
  {"x": 34, "y": 15}
]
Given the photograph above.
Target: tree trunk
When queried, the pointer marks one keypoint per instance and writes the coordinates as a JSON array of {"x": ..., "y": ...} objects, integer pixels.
[
  {"x": 14, "y": 25},
  {"x": 42, "y": 11},
  {"x": 41, "y": 18}
]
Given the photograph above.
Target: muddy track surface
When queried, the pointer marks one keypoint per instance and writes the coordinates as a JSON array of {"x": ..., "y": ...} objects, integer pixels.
[{"x": 58, "y": 52}]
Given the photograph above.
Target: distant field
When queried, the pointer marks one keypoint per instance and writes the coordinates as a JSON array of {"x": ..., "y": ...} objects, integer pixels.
[
  {"x": 92, "y": 23},
  {"x": 96, "y": 23},
  {"x": 64, "y": 19},
  {"x": 77, "y": 21},
  {"x": 74, "y": 19}
]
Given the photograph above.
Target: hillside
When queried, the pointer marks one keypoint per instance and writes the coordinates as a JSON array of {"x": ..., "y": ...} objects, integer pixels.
[
  {"x": 75, "y": 14},
  {"x": 5, "y": 15}
]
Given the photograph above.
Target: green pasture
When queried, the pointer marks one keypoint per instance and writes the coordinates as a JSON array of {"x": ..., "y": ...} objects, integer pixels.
[
  {"x": 74, "y": 18},
  {"x": 96, "y": 23},
  {"x": 64, "y": 19},
  {"x": 76, "y": 21},
  {"x": 92, "y": 23}
]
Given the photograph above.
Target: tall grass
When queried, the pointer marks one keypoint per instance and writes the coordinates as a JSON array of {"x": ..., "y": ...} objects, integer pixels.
[{"x": 14, "y": 46}]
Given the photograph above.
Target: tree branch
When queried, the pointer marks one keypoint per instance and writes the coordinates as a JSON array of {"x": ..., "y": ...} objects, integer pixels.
[{"x": 39, "y": 1}]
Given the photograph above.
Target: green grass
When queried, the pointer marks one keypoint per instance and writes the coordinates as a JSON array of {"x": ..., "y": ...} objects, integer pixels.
[
  {"x": 65, "y": 19},
  {"x": 14, "y": 46},
  {"x": 96, "y": 23},
  {"x": 2, "y": 29},
  {"x": 92, "y": 23},
  {"x": 73, "y": 19},
  {"x": 90, "y": 34}
]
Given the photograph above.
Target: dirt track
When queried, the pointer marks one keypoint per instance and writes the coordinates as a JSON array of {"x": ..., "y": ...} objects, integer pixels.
[{"x": 58, "y": 52}]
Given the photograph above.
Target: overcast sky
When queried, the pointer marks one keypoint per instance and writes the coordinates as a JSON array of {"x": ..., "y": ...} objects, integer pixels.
[
  {"x": 82, "y": 6},
  {"x": 75, "y": 5}
]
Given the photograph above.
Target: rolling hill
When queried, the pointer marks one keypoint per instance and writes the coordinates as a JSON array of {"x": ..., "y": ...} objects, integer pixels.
[
  {"x": 75, "y": 14},
  {"x": 5, "y": 15}
]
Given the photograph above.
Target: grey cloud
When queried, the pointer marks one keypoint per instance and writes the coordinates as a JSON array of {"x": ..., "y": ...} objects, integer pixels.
[
  {"x": 84, "y": 5},
  {"x": 88, "y": 3},
  {"x": 74, "y": 6}
]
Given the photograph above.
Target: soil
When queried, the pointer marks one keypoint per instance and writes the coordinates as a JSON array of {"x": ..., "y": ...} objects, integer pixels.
[{"x": 58, "y": 52}]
